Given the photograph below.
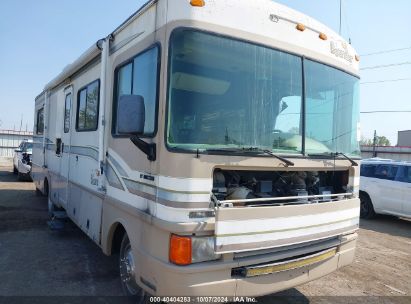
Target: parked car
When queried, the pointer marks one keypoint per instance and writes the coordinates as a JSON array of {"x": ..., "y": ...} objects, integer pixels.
[
  {"x": 22, "y": 160},
  {"x": 385, "y": 188}
]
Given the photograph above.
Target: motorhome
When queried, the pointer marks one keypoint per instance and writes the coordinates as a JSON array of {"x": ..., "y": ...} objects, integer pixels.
[{"x": 212, "y": 145}]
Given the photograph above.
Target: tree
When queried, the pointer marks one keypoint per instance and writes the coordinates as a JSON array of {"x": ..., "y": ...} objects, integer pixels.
[
  {"x": 366, "y": 141},
  {"x": 381, "y": 141}
]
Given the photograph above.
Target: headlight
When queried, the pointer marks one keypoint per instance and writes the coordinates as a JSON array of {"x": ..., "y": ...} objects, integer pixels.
[
  {"x": 26, "y": 159},
  {"x": 203, "y": 249},
  {"x": 185, "y": 250}
]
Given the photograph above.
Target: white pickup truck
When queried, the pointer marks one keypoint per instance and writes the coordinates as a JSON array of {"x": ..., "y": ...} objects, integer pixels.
[{"x": 22, "y": 160}]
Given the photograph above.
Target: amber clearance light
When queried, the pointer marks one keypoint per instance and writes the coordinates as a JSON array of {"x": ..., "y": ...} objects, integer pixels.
[
  {"x": 323, "y": 36},
  {"x": 180, "y": 250},
  {"x": 300, "y": 27},
  {"x": 199, "y": 3}
]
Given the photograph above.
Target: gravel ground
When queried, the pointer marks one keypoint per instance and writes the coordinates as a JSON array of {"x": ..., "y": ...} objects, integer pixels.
[{"x": 35, "y": 261}]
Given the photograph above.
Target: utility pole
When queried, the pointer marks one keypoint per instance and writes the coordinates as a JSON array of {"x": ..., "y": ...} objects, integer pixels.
[
  {"x": 374, "y": 145},
  {"x": 340, "y": 16},
  {"x": 21, "y": 122}
]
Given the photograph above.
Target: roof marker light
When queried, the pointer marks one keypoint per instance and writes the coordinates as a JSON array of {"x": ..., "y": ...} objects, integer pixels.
[
  {"x": 199, "y": 3},
  {"x": 323, "y": 36},
  {"x": 300, "y": 27}
]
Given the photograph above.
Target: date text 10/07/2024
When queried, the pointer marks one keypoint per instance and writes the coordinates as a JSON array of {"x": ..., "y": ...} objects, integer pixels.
[{"x": 203, "y": 300}]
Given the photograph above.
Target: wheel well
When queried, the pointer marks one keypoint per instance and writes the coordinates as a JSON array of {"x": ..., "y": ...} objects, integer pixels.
[
  {"x": 117, "y": 238},
  {"x": 365, "y": 194}
]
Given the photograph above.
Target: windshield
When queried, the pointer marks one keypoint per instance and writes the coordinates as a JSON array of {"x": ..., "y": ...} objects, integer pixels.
[
  {"x": 226, "y": 93},
  {"x": 332, "y": 109},
  {"x": 29, "y": 146}
]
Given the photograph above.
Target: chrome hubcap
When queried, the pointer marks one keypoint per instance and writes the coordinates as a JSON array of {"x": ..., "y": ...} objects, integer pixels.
[{"x": 127, "y": 271}]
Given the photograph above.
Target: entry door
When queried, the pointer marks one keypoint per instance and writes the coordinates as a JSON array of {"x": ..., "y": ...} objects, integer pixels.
[
  {"x": 390, "y": 193},
  {"x": 406, "y": 190},
  {"x": 65, "y": 143}
]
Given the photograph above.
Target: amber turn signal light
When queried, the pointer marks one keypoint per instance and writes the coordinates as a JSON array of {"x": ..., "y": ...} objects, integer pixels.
[
  {"x": 180, "y": 250},
  {"x": 199, "y": 3},
  {"x": 300, "y": 27}
]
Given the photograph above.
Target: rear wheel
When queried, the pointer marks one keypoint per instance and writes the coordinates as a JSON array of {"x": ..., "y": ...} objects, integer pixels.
[
  {"x": 367, "y": 209},
  {"x": 15, "y": 171},
  {"x": 127, "y": 272},
  {"x": 20, "y": 176}
]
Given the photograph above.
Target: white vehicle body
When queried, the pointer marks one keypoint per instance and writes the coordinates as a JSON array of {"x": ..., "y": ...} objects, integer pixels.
[
  {"x": 387, "y": 183},
  {"x": 22, "y": 159},
  {"x": 163, "y": 200}
]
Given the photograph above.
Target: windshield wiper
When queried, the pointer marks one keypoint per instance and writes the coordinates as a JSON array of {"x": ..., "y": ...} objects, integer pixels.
[
  {"x": 253, "y": 150},
  {"x": 233, "y": 150},
  {"x": 284, "y": 160},
  {"x": 336, "y": 154}
]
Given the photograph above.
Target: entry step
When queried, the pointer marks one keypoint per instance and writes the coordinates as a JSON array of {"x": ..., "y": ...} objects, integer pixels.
[
  {"x": 60, "y": 215},
  {"x": 56, "y": 224}
]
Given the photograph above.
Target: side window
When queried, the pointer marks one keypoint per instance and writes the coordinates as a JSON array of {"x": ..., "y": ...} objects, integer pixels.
[
  {"x": 139, "y": 77},
  {"x": 368, "y": 170},
  {"x": 381, "y": 171},
  {"x": 40, "y": 122},
  {"x": 67, "y": 110},
  {"x": 392, "y": 173},
  {"x": 87, "y": 107},
  {"x": 404, "y": 174}
]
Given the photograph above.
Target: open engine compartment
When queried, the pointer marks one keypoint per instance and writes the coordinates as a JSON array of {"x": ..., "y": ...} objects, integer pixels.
[{"x": 249, "y": 185}]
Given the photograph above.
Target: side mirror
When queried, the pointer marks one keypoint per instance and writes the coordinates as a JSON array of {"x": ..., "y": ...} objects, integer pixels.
[
  {"x": 283, "y": 106},
  {"x": 131, "y": 115}
]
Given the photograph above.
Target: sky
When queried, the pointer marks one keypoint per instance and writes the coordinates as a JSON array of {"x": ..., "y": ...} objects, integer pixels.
[{"x": 39, "y": 38}]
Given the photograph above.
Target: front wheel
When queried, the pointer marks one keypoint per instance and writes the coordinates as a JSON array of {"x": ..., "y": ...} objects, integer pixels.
[
  {"x": 367, "y": 209},
  {"x": 127, "y": 272}
]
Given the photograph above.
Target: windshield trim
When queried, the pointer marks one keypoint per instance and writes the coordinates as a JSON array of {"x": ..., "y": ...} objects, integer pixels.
[{"x": 301, "y": 154}]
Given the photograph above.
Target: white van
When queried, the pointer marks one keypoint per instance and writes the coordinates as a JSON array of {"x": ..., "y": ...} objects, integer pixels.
[{"x": 385, "y": 188}]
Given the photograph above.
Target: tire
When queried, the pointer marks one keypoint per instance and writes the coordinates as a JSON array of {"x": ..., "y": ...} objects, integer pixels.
[
  {"x": 14, "y": 170},
  {"x": 367, "y": 209},
  {"x": 20, "y": 177},
  {"x": 127, "y": 274}
]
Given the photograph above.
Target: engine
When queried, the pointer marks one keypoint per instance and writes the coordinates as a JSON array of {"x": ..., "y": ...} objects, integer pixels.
[{"x": 240, "y": 185}]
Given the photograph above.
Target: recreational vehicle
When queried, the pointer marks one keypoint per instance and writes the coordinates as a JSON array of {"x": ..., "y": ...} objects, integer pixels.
[{"x": 212, "y": 145}]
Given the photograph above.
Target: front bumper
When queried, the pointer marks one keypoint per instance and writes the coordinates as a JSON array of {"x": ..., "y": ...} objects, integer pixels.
[
  {"x": 24, "y": 168},
  {"x": 216, "y": 279}
]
